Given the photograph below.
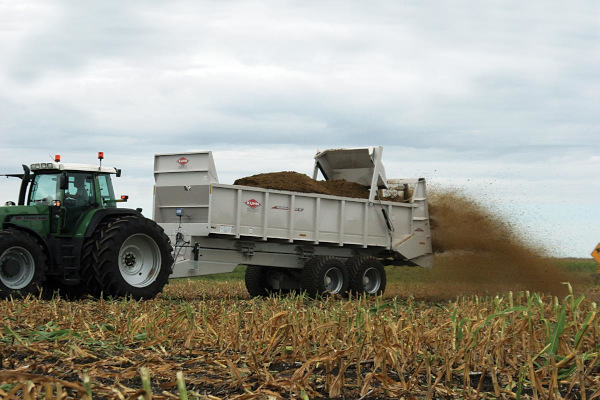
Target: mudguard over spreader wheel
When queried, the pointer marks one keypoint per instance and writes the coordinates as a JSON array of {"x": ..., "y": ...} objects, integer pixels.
[
  {"x": 23, "y": 264},
  {"x": 133, "y": 257}
]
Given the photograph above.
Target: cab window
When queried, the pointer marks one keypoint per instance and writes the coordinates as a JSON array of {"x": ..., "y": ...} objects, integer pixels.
[
  {"x": 44, "y": 189},
  {"x": 81, "y": 190},
  {"x": 106, "y": 190}
]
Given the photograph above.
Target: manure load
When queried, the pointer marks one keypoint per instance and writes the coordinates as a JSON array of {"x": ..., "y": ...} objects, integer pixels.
[{"x": 294, "y": 240}]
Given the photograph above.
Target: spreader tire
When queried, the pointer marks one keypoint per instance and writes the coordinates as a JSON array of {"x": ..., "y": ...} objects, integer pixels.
[
  {"x": 23, "y": 264},
  {"x": 133, "y": 257},
  {"x": 256, "y": 279},
  {"x": 324, "y": 275},
  {"x": 367, "y": 275}
]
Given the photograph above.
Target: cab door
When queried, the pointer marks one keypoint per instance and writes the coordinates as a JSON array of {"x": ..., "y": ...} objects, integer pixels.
[{"x": 78, "y": 200}]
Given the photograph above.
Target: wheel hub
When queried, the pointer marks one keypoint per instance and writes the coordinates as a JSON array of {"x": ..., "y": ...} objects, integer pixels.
[
  {"x": 334, "y": 280},
  {"x": 132, "y": 261},
  {"x": 129, "y": 260},
  {"x": 10, "y": 267},
  {"x": 371, "y": 280}
]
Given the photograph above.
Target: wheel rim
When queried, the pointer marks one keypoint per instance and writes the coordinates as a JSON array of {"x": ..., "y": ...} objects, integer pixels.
[
  {"x": 371, "y": 280},
  {"x": 139, "y": 260},
  {"x": 17, "y": 268},
  {"x": 334, "y": 280}
]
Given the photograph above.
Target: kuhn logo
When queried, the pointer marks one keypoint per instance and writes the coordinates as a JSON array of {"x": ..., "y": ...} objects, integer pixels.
[
  {"x": 252, "y": 203},
  {"x": 183, "y": 161}
]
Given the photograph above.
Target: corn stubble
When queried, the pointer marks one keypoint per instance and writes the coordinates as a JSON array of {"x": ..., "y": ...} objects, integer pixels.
[{"x": 207, "y": 340}]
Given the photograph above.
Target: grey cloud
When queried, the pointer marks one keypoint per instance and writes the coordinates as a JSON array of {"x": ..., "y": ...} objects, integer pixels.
[{"x": 83, "y": 31}]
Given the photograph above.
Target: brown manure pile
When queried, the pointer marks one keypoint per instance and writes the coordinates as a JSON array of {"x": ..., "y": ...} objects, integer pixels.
[
  {"x": 473, "y": 246},
  {"x": 296, "y": 182}
]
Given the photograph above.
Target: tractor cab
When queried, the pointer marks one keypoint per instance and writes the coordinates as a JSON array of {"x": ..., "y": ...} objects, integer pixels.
[{"x": 70, "y": 191}]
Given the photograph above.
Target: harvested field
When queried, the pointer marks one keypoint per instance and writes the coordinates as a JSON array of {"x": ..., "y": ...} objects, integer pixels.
[{"x": 229, "y": 346}]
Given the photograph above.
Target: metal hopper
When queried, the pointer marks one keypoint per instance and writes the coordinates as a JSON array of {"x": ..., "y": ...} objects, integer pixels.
[{"x": 362, "y": 166}]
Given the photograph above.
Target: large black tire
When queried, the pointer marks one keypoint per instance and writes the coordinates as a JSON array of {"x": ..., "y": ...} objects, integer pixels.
[
  {"x": 23, "y": 264},
  {"x": 89, "y": 281},
  {"x": 367, "y": 275},
  {"x": 133, "y": 257},
  {"x": 256, "y": 281},
  {"x": 88, "y": 285},
  {"x": 315, "y": 276}
]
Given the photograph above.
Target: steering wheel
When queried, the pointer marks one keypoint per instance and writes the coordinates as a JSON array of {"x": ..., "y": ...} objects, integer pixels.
[{"x": 44, "y": 201}]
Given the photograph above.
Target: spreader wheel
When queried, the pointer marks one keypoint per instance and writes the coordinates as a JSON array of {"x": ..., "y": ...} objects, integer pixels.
[
  {"x": 324, "y": 275},
  {"x": 256, "y": 279},
  {"x": 22, "y": 264},
  {"x": 367, "y": 275}
]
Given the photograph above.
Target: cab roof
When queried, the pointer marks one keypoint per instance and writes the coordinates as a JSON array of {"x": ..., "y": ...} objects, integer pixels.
[{"x": 54, "y": 166}]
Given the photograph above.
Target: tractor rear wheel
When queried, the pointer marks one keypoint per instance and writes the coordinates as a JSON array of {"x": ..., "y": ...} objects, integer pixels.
[
  {"x": 23, "y": 264},
  {"x": 367, "y": 275},
  {"x": 324, "y": 275},
  {"x": 89, "y": 281},
  {"x": 133, "y": 257}
]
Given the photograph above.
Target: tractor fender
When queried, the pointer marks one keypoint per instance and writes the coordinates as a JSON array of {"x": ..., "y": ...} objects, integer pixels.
[
  {"x": 100, "y": 215},
  {"x": 37, "y": 236}
]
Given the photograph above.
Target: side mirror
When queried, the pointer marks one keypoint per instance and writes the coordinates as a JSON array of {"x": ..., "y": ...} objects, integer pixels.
[{"x": 64, "y": 181}]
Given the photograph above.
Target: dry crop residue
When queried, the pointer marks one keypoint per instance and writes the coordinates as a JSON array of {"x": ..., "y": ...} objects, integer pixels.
[
  {"x": 473, "y": 245},
  {"x": 228, "y": 346}
]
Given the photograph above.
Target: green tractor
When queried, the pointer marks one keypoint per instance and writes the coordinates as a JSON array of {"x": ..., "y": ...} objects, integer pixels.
[{"x": 67, "y": 234}]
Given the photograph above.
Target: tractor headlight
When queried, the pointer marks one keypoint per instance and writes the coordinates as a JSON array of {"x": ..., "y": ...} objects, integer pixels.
[
  {"x": 35, "y": 166},
  {"x": 43, "y": 165}
]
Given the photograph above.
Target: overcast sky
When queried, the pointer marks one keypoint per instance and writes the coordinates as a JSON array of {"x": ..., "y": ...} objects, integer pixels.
[{"x": 500, "y": 99}]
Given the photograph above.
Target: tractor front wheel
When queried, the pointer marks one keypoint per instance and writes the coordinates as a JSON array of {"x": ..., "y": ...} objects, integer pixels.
[
  {"x": 133, "y": 257},
  {"x": 23, "y": 264}
]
